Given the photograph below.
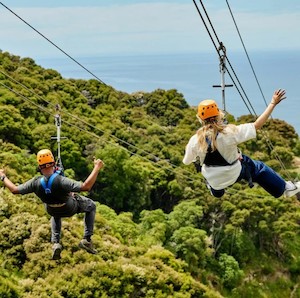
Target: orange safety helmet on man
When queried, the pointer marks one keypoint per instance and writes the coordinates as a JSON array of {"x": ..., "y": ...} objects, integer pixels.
[
  {"x": 44, "y": 157},
  {"x": 208, "y": 108}
]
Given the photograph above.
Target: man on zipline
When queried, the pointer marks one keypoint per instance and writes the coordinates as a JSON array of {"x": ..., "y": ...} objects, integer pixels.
[
  {"x": 60, "y": 197},
  {"x": 222, "y": 164}
]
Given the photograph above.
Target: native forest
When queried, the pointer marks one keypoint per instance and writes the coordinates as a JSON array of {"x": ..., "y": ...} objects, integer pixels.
[{"x": 158, "y": 231}]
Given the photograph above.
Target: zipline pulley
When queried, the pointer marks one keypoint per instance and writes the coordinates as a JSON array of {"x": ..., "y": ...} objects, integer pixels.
[
  {"x": 57, "y": 118},
  {"x": 223, "y": 71}
]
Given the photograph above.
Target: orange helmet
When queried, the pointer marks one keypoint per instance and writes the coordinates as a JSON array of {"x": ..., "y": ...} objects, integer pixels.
[
  {"x": 208, "y": 108},
  {"x": 44, "y": 156}
]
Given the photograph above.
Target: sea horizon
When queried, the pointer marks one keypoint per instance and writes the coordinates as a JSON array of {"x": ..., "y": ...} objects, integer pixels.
[{"x": 194, "y": 74}]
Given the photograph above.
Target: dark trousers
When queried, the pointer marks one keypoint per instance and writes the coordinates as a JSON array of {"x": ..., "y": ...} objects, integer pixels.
[
  {"x": 78, "y": 204},
  {"x": 260, "y": 173}
]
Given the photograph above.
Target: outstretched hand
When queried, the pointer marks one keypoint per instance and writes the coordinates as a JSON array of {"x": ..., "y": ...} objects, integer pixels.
[
  {"x": 278, "y": 96},
  {"x": 2, "y": 172},
  {"x": 98, "y": 164}
]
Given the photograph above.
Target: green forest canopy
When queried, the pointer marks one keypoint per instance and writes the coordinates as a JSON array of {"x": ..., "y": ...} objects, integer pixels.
[{"x": 158, "y": 230}]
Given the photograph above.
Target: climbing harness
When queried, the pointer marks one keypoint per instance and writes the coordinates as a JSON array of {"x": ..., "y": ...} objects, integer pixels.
[
  {"x": 214, "y": 158},
  {"x": 48, "y": 184}
]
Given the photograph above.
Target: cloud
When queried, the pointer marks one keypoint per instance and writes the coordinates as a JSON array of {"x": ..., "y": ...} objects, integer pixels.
[{"x": 141, "y": 28}]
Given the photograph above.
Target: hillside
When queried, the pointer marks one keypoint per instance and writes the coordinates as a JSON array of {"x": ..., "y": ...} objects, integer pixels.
[{"x": 158, "y": 231}]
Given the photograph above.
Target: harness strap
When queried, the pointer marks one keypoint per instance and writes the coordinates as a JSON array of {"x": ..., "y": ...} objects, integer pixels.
[
  {"x": 197, "y": 164},
  {"x": 59, "y": 170},
  {"x": 47, "y": 185},
  {"x": 214, "y": 158}
]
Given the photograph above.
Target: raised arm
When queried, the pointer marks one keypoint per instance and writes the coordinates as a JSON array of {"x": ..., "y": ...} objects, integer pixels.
[
  {"x": 11, "y": 186},
  {"x": 277, "y": 97},
  {"x": 91, "y": 179}
]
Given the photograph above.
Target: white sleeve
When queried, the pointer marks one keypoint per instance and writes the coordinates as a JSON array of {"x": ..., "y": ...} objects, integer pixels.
[
  {"x": 190, "y": 151},
  {"x": 239, "y": 134},
  {"x": 244, "y": 133}
]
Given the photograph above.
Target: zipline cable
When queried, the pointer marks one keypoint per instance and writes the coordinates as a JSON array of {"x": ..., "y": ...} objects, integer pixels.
[
  {"x": 220, "y": 44},
  {"x": 246, "y": 52},
  {"x": 228, "y": 191},
  {"x": 269, "y": 143},
  {"x": 98, "y": 77},
  {"x": 110, "y": 135},
  {"x": 95, "y": 75},
  {"x": 64, "y": 52},
  {"x": 264, "y": 133},
  {"x": 57, "y": 47},
  {"x": 156, "y": 158}
]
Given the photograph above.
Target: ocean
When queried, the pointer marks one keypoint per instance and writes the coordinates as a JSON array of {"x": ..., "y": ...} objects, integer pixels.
[{"x": 194, "y": 74}]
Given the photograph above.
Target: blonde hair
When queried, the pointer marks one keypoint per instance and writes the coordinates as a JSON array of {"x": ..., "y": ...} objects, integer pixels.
[{"x": 209, "y": 131}]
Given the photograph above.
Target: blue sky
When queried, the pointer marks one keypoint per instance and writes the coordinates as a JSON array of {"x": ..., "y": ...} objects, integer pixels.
[{"x": 98, "y": 27}]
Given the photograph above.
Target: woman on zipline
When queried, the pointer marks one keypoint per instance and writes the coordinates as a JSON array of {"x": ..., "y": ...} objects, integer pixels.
[{"x": 222, "y": 164}]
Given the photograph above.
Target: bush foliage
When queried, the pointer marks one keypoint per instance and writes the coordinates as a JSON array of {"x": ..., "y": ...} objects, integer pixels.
[{"x": 158, "y": 231}]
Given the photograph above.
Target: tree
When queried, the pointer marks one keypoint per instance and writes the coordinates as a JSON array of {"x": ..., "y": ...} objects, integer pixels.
[
  {"x": 125, "y": 184},
  {"x": 13, "y": 128},
  {"x": 191, "y": 245},
  {"x": 230, "y": 271},
  {"x": 185, "y": 214}
]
